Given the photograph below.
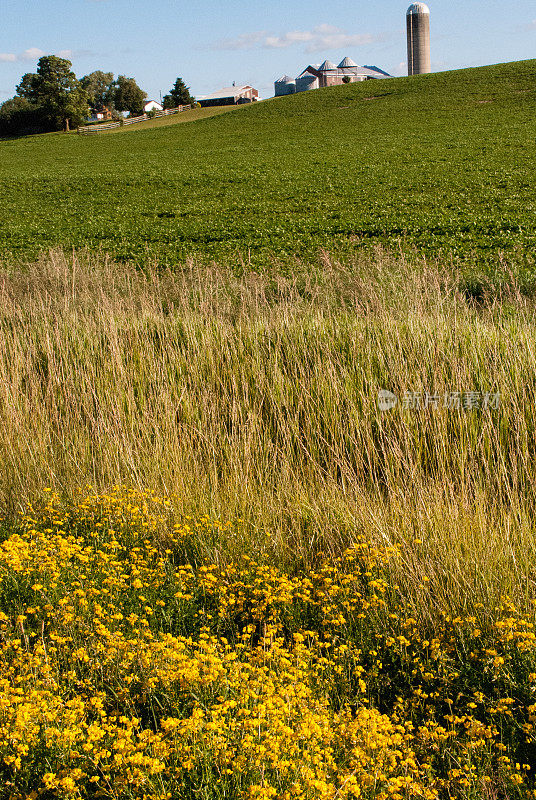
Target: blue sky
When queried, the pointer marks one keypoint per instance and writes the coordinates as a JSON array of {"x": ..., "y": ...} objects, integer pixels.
[{"x": 211, "y": 44}]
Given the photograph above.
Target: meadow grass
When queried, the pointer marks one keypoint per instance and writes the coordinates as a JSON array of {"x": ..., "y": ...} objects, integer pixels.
[
  {"x": 255, "y": 399},
  {"x": 225, "y": 572}
]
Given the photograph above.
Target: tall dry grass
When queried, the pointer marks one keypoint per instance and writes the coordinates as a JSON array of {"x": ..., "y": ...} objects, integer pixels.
[{"x": 254, "y": 398}]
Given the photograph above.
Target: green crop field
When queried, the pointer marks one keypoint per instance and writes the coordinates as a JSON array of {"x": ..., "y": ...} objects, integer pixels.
[{"x": 443, "y": 163}]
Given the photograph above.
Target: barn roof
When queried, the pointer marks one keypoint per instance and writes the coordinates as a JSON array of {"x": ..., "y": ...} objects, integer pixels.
[
  {"x": 227, "y": 91},
  {"x": 312, "y": 69},
  {"x": 377, "y": 69}
]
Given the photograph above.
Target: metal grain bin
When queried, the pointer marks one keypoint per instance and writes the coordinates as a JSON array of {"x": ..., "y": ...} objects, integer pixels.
[
  {"x": 306, "y": 82},
  {"x": 285, "y": 85}
]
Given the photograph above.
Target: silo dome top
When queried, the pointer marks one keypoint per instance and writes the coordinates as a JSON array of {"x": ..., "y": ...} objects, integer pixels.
[
  {"x": 346, "y": 63},
  {"x": 326, "y": 66},
  {"x": 418, "y": 8},
  {"x": 285, "y": 79}
]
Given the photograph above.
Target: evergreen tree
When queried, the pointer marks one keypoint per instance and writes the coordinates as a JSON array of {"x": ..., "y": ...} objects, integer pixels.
[{"x": 179, "y": 95}]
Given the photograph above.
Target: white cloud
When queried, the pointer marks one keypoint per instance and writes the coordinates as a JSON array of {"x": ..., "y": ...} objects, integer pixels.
[
  {"x": 288, "y": 39},
  {"x": 32, "y": 54},
  {"x": 35, "y": 53},
  {"x": 246, "y": 41},
  {"x": 322, "y": 37}
]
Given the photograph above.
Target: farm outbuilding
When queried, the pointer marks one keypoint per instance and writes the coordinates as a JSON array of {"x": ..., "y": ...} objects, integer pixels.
[
  {"x": 152, "y": 105},
  {"x": 285, "y": 85},
  {"x": 307, "y": 81},
  {"x": 317, "y": 76},
  {"x": 100, "y": 115},
  {"x": 230, "y": 96}
]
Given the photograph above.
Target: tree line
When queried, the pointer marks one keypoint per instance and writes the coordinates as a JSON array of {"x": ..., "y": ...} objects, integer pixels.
[{"x": 54, "y": 99}]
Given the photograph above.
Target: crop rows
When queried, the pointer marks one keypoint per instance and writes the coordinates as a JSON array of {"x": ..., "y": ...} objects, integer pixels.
[{"x": 441, "y": 163}]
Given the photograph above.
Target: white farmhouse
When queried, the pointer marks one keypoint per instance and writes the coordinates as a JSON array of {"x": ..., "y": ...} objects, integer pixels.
[{"x": 152, "y": 105}]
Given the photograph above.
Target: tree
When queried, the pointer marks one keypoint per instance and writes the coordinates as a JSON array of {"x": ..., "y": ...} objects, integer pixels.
[
  {"x": 18, "y": 116},
  {"x": 179, "y": 95},
  {"x": 25, "y": 87},
  {"x": 100, "y": 89},
  {"x": 55, "y": 90},
  {"x": 128, "y": 96}
]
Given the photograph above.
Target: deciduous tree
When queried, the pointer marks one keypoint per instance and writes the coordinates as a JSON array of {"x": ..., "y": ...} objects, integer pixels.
[
  {"x": 128, "y": 96},
  {"x": 57, "y": 92},
  {"x": 100, "y": 89},
  {"x": 18, "y": 116}
]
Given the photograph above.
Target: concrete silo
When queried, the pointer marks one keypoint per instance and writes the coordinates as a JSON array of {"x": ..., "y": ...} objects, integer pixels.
[{"x": 418, "y": 25}]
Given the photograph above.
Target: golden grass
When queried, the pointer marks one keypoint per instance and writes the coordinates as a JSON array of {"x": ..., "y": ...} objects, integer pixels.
[{"x": 253, "y": 398}]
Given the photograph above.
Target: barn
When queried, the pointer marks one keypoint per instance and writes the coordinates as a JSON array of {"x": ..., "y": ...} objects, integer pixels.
[{"x": 230, "y": 96}]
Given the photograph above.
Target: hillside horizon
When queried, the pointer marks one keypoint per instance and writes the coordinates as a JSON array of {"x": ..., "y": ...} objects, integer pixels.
[{"x": 439, "y": 163}]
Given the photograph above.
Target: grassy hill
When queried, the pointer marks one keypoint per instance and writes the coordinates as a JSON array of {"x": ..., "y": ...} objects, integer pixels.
[
  {"x": 442, "y": 162},
  {"x": 195, "y": 115}
]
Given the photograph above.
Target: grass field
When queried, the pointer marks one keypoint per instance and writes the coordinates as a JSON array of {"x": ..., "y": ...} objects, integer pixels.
[
  {"x": 225, "y": 571},
  {"x": 443, "y": 163},
  {"x": 195, "y": 115},
  {"x": 256, "y": 399},
  {"x": 329, "y": 600}
]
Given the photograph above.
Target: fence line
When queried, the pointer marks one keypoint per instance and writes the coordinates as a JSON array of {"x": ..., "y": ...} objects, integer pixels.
[{"x": 107, "y": 126}]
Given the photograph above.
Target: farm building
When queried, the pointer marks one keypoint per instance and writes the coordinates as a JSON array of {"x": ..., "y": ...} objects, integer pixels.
[
  {"x": 230, "y": 96},
  {"x": 101, "y": 115},
  {"x": 285, "y": 85},
  {"x": 327, "y": 74},
  {"x": 152, "y": 105}
]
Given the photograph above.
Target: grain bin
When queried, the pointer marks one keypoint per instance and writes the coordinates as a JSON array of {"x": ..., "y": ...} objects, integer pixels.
[
  {"x": 348, "y": 63},
  {"x": 285, "y": 85},
  {"x": 306, "y": 82}
]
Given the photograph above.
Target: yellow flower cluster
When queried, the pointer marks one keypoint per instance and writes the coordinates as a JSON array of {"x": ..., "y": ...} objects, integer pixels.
[{"x": 129, "y": 668}]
